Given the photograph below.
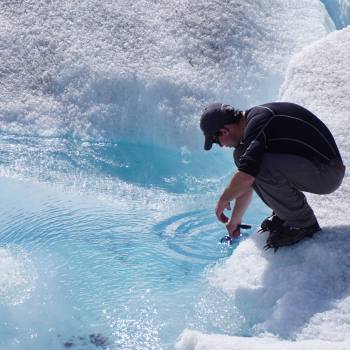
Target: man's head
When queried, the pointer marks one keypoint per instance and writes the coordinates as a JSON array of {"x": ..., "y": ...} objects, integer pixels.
[{"x": 222, "y": 124}]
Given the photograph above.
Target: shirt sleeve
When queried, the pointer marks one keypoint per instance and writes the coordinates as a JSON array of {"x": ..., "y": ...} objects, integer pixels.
[{"x": 253, "y": 144}]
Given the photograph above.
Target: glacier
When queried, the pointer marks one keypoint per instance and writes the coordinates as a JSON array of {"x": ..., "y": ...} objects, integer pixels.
[{"x": 91, "y": 91}]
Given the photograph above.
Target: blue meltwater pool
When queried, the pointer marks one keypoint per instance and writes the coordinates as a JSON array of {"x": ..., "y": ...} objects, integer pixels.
[{"x": 102, "y": 251}]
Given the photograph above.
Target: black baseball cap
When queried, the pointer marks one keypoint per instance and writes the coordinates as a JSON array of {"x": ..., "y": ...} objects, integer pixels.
[{"x": 214, "y": 117}]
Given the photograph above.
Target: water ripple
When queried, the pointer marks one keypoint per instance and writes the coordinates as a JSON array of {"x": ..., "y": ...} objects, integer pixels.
[{"x": 193, "y": 236}]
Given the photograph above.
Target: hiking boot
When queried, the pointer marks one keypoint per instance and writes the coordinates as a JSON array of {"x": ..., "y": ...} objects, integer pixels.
[
  {"x": 271, "y": 223},
  {"x": 287, "y": 235}
]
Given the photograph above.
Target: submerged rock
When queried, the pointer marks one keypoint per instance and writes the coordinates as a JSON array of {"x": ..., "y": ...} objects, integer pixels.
[{"x": 98, "y": 340}]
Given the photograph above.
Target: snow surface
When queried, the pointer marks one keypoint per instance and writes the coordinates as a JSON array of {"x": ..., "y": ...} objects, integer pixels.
[
  {"x": 298, "y": 298},
  {"x": 93, "y": 69}
]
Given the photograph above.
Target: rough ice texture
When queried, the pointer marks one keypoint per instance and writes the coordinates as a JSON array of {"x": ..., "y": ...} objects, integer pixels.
[
  {"x": 298, "y": 298},
  {"x": 93, "y": 69},
  {"x": 339, "y": 10}
]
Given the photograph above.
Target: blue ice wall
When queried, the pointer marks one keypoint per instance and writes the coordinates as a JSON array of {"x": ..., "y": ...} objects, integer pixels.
[{"x": 339, "y": 10}]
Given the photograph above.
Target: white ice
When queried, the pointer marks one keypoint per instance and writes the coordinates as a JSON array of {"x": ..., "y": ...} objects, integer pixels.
[
  {"x": 96, "y": 69},
  {"x": 298, "y": 298}
]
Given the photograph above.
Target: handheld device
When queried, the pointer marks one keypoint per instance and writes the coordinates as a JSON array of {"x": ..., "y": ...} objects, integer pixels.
[{"x": 227, "y": 239}]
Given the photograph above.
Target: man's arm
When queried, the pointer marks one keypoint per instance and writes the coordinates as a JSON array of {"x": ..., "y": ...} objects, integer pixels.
[
  {"x": 240, "y": 184},
  {"x": 239, "y": 209},
  {"x": 241, "y": 206}
]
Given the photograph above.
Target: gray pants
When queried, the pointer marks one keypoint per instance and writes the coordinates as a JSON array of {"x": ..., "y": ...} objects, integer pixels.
[{"x": 283, "y": 177}]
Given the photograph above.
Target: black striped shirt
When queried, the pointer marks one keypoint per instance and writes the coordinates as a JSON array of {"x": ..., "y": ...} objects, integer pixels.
[{"x": 283, "y": 127}]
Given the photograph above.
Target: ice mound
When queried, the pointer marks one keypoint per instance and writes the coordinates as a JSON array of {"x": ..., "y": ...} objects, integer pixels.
[
  {"x": 17, "y": 276},
  {"x": 298, "y": 298},
  {"x": 143, "y": 70}
]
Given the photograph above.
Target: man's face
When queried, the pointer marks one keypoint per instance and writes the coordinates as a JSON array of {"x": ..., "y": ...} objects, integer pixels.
[{"x": 231, "y": 135}]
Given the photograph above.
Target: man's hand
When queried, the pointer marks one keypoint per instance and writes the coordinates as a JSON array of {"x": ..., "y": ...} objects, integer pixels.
[
  {"x": 233, "y": 229},
  {"x": 219, "y": 210}
]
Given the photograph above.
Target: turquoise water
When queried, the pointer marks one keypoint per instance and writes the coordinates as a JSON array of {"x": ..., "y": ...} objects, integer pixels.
[{"x": 110, "y": 244}]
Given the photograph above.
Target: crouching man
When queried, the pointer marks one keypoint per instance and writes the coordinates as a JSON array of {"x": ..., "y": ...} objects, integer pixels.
[{"x": 281, "y": 151}]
